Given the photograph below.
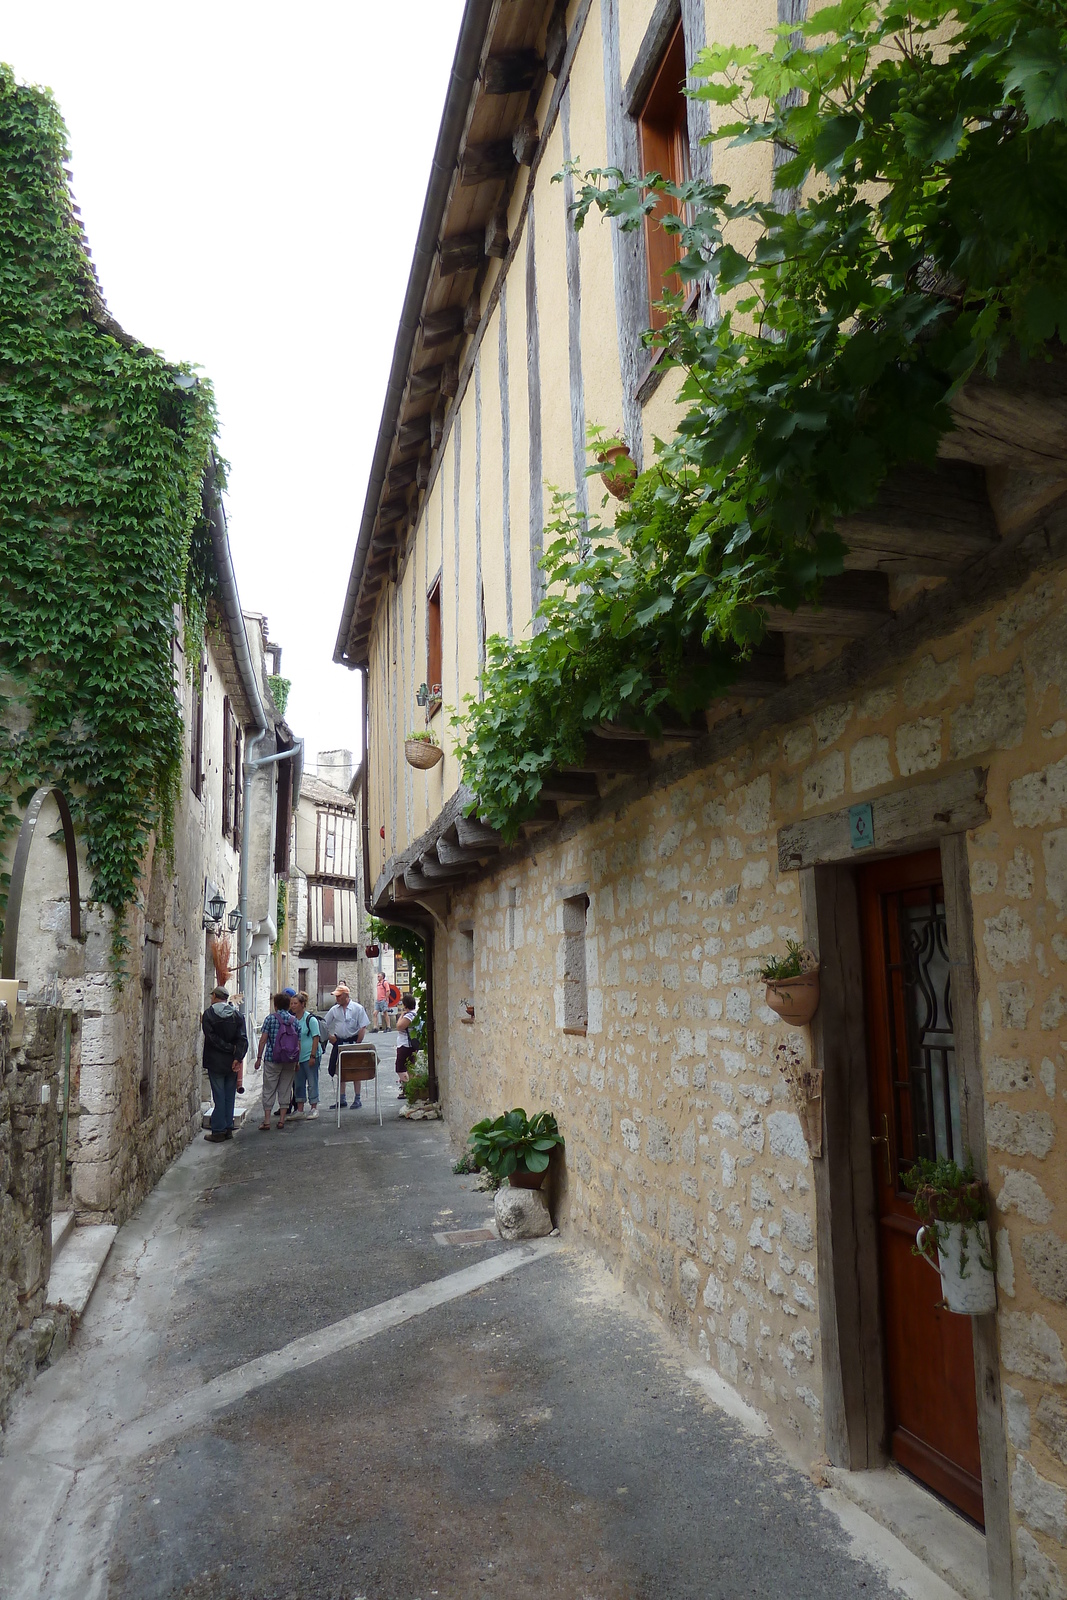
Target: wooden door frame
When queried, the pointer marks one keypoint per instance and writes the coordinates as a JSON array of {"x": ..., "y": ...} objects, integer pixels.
[{"x": 850, "y": 1313}]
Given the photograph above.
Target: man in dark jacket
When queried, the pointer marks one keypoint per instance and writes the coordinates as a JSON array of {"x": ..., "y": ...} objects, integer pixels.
[{"x": 225, "y": 1047}]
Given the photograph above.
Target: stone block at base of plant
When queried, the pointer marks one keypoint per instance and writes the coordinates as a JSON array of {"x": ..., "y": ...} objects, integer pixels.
[{"x": 522, "y": 1214}]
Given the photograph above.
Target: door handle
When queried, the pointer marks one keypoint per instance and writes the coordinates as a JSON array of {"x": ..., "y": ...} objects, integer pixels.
[{"x": 883, "y": 1139}]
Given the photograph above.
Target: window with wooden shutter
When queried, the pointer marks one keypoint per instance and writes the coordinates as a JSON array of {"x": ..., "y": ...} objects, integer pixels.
[
  {"x": 663, "y": 132},
  {"x": 227, "y": 768},
  {"x": 238, "y": 752},
  {"x": 433, "y": 649}
]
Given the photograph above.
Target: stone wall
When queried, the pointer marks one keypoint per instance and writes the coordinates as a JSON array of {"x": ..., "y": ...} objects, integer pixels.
[
  {"x": 29, "y": 1139},
  {"x": 686, "y": 1165}
]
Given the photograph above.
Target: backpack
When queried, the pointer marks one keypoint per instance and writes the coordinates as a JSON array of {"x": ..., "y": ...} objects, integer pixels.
[{"x": 286, "y": 1040}]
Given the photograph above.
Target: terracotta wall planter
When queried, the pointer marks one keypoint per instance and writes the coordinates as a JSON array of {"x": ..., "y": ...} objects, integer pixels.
[
  {"x": 618, "y": 478},
  {"x": 796, "y": 1000}
]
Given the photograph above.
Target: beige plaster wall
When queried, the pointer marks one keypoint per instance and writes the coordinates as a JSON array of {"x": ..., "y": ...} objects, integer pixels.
[{"x": 686, "y": 1166}]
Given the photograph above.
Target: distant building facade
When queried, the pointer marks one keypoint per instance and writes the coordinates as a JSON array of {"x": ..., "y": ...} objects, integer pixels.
[{"x": 327, "y": 920}]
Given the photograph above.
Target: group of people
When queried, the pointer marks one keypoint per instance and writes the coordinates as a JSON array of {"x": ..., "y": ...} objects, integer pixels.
[{"x": 290, "y": 1051}]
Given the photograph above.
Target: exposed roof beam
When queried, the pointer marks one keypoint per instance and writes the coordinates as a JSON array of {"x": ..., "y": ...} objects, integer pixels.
[
  {"x": 511, "y": 71},
  {"x": 851, "y": 604}
]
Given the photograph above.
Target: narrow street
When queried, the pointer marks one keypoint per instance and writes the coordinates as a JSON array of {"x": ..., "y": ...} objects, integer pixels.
[{"x": 287, "y": 1384}]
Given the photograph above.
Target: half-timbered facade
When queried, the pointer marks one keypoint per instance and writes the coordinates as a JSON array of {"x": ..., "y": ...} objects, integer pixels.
[
  {"x": 327, "y": 891},
  {"x": 607, "y": 967}
]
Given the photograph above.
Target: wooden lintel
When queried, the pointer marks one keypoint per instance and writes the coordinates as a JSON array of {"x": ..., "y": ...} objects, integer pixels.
[
  {"x": 482, "y": 163},
  {"x": 460, "y": 253},
  {"x": 511, "y": 71},
  {"x": 851, "y": 604},
  {"x": 439, "y": 327},
  {"x": 915, "y": 815}
]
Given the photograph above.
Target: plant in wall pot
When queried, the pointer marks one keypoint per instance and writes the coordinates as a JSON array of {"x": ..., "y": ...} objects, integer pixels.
[
  {"x": 951, "y": 1204},
  {"x": 792, "y": 984},
  {"x": 421, "y": 749},
  {"x": 516, "y": 1147}
]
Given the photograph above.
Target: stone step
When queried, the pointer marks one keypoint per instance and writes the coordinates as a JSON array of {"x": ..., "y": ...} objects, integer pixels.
[
  {"x": 73, "y": 1277},
  {"x": 62, "y": 1228}
]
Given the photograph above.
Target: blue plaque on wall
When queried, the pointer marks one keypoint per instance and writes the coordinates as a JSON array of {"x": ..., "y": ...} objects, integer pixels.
[{"x": 861, "y": 826}]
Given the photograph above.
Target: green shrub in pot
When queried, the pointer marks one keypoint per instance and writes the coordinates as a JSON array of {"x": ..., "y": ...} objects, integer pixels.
[{"x": 515, "y": 1142}]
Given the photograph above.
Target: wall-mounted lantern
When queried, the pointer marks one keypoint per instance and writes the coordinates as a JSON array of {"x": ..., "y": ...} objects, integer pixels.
[
  {"x": 215, "y": 911},
  {"x": 233, "y": 921}
]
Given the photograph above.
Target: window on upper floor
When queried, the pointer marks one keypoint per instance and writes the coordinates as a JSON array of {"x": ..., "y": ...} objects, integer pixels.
[
  {"x": 433, "y": 649},
  {"x": 663, "y": 134}
]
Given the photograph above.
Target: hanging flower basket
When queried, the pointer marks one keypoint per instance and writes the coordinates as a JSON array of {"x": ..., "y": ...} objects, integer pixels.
[{"x": 422, "y": 753}]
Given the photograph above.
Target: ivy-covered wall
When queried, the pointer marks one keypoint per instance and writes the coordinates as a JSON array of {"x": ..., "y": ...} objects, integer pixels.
[{"x": 105, "y": 445}]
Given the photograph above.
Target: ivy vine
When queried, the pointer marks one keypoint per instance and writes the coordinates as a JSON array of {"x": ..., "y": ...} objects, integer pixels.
[
  {"x": 927, "y": 140},
  {"x": 102, "y": 531}
]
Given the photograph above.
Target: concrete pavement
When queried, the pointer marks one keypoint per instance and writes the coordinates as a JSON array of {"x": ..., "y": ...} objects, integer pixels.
[{"x": 287, "y": 1388}]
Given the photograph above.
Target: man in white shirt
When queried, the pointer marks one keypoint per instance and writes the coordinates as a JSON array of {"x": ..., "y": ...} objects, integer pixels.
[{"x": 346, "y": 1023}]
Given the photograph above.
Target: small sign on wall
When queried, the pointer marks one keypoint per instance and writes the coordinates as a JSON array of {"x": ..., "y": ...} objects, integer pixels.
[{"x": 861, "y": 826}]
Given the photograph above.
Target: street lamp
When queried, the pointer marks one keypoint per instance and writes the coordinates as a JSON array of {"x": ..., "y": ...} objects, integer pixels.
[{"x": 234, "y": 919}]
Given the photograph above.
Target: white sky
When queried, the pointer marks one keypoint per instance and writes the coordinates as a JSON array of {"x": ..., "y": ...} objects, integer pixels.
[{"x": 251, "y": 178}]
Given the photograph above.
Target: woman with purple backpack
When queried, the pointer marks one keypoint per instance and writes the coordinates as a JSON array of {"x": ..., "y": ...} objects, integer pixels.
[{"x": 280, "y": 1039}]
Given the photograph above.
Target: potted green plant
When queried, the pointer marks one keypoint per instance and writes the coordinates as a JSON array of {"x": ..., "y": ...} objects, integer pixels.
[
  {"x": 792, "y": 984},
  {"x": 422, "y": 750},
  {"x": 516, "y": 1147},
  {"x": 952, "y": 1205},
  {"x": 417, "y": 1086}
]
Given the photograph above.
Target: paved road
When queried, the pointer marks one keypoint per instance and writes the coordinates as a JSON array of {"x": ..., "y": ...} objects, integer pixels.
[{"x": 287, "y": 1388}]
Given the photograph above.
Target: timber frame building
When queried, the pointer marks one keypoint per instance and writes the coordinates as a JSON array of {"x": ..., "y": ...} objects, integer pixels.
[{"x": 611, "y": 958}]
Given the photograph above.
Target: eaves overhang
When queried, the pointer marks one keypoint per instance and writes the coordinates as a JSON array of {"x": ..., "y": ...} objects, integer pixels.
[{"x": 486, "y": 136}]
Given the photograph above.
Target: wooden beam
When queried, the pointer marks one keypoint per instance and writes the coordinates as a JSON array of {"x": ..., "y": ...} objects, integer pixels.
[
  {"x": 570, "y": 786},
  {"x": 1017, "y": 419},
  {"x": 436, "y": 870},
  {"x": 615, "y": 755},
  {"x": 923, "y": 520},
  {"x": 439, "y": 327},
  {"x": 454, "y": 854},
  {"x": 764, "y": 672},
  {"x": 402, "y": 473},
  {"x": 851, "y": 604},
  {"x": 496, "y": 235},
  {"x": 460, "y": 253},
  {"x": 915, "y": 815},
  {"x": 473, "y": 834},
  {"x": 524, "y": 141},
  {"x": 483, "y": 163},
  {"x": 556, "y": 38},
  {"x": 511, "y": 71},
  {"x": 428, "y": 381},
  {"x": 414, "y": 431}
]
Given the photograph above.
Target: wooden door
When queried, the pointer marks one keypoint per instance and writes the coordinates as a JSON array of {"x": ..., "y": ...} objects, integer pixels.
[{"x": 914, "y": 1099}]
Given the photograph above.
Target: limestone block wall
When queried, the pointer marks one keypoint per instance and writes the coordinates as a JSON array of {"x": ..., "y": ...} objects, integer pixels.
[
  {"x": 29, "y": 1137},
  {"x": 686, "y": 1166}
]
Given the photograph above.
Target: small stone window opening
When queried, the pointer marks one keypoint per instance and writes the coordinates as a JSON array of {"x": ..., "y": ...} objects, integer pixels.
[
  {"x": 575, "y": 991},
  {"x": 511, "y": 901},
  {"x": 466, "y": 975}
]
